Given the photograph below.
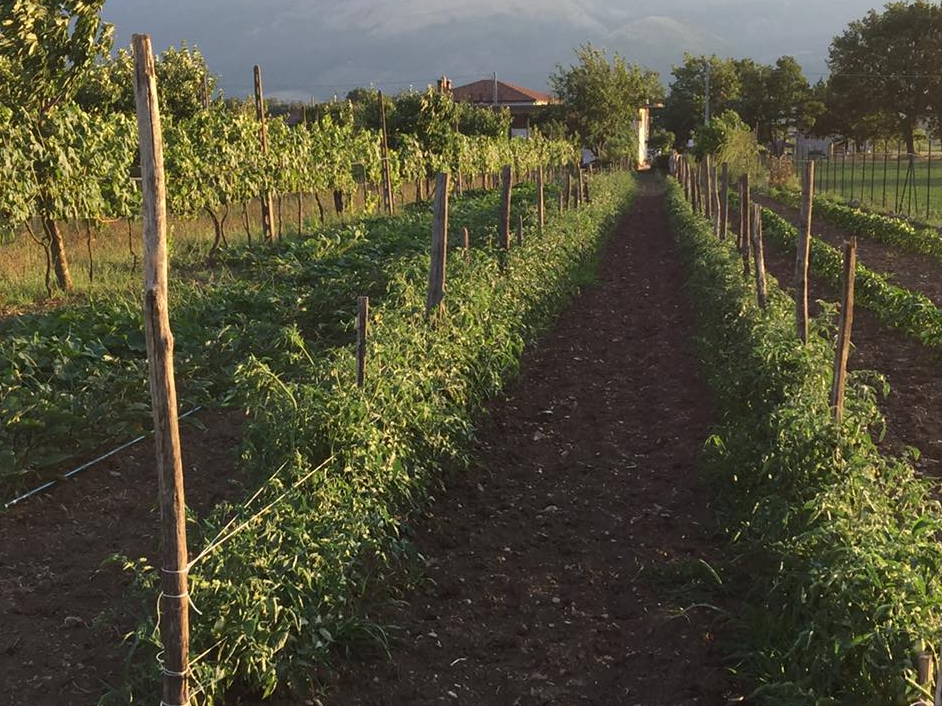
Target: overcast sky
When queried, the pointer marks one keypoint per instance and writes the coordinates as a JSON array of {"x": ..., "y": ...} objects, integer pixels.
[{"x": 324, "y": 47}]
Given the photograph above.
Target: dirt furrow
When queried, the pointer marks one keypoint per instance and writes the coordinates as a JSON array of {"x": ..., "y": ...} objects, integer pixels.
[{"x": 551, "y": 563}]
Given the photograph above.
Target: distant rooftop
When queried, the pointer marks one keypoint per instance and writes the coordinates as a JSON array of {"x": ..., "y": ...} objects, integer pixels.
[{"x": 482, "y": 92}]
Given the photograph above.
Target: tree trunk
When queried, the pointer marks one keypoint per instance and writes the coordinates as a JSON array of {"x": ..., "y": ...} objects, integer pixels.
[
  {"x": 245, "y": 222},
  {"x": 338, "y": 202},
  {"x": 217, "y": 226},
  {"x": 320, "y": 207},
  {"x": 60, "y": 260}
]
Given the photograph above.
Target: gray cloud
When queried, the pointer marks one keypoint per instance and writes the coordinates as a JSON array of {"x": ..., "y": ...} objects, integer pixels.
[{"x": 321, "y": 47}]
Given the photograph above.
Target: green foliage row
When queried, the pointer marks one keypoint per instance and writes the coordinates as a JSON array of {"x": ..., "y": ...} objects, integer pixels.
[
  {"x": 276, "y": 598},
  {"x": 81, "y": 167},
  {"x": 834, "y": 563},
  {"x": 74, "y": 378},
  {"x": 902, "y": 308},
  {"x": 892, "y": 231}
]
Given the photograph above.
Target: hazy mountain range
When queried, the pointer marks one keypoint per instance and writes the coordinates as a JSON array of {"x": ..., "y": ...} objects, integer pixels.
[{"x": 322, "y": 47}]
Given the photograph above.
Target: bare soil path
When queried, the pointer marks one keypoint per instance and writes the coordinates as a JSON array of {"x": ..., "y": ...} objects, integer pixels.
[{"x": 552, "y": 562}]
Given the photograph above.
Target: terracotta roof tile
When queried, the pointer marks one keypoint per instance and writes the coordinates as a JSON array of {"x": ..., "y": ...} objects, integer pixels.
[{"x": 483, "y": 92}]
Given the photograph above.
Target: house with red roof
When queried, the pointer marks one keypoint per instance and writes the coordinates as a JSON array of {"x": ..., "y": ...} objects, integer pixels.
[{"x": 521, "y": 102}]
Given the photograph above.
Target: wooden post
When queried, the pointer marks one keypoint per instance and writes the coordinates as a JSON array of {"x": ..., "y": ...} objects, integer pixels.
[
  {"x": 843, "y": 333},
  {"x": 204, "y": 92},
  {"x": 363, "y": 316},
  {"x": 724, "y": 200},
  {"x": 540, "y": 204},
  {"x": 174, "y": 607},
  {"x": 804, "y": 252},
  {"x": 581, "y": 191},
  {"x": 559, "y": 203},
  {"x": 744, "y": 224},
  {"x": 568, "y": 189},
  {"x": 715, "y": 200},
  {"x": 758, "y": 256},
  {"x": 267, "y": 227},
  {"x": 466, "y": 241},
  {"x": 387, "y": 179},
  {"x": 924, "y": 669},
  {"x": 436, "y": 272},
  {"x": 708, "y": 187},
  {"x": 507, "y": 182},
  {"x": 519, "y": 229}
]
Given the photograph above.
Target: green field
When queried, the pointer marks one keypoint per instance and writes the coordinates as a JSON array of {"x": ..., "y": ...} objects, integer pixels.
[{"x": 880, "y": 182}]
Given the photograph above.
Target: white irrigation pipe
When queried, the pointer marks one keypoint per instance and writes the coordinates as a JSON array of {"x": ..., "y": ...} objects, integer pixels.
[{"x": 87, "y": 464}]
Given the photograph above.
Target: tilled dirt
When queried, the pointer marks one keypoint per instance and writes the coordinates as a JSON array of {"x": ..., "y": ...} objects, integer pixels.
[
  {"x": 913, "y": 371},
  {"x": 63, "y": 611},
  {"x": 552, "y": 563}
]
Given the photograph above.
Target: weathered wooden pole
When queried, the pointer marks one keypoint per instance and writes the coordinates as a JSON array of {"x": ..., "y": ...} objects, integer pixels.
[
  {"x": 268, "y": 229},
  {"x": 842, "y": 351},
  {"x": 581, "y": 189},
  {"x": 715, "y": 199},
  {"x": 568, "y": 189},
  {"x": 174, "y": 616},
  {"x": 519, "y": 229},
  {"x": 436, "y": 272},
  {"x": 744, "y": 221},
  {"x": 540, "y": 203},
  {"x": 387, "y": 178},
  {"x": 466, "y": 241},
  {"x": 804, "y": 251},
  {"x": 724, "y": 200},
  {"x": 559, "y": 203},
  {"x": 204, "y": 91},
  {"x": 758, "y": 256},
  {"x": 507, "y": 185},
  {"x": 363, "y": 316},
  {"x": 707, "y": 188}
]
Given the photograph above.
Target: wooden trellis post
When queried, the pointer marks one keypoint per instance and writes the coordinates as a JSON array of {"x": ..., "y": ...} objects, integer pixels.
[
  {"x": 715, "y": 200},
  {"x": 804, "y": 252},
  {"x": 724, "y": 200},
  {"x": 540, "y": 204},
  {"x": 174, "y": 607},
  {"x": 387, "y": 177},
  {"x": 758, "y": 256},
  {"x": 559, "y": 203},
  {"x": 507, "y": 183},
  {"x": 436, "y": 272},
  {"x": 268, "y": 229},
  {"x": 707, "y": 188},
  {"x": 363, "y": 316},
  {"x": 581, "y": 187},
  {"x": 744, "y": 225},
  {"x": 519, "y": 229},
  {"x": 839, "y": 382},
  {"x": 466, "y": 241},
  {"x": 568, "y": 189}
]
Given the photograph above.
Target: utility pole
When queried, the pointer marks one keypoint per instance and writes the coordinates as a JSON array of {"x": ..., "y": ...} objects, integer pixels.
[{"x": 706, "y": 110}]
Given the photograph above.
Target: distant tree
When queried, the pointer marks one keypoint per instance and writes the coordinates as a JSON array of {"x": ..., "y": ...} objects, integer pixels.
[
  {"x": 109, "y": 87},
  {"x": 885, "y": 71},
  {"x": 48, "y": 47},
  {"x": 601, "y": 98},
  {"x": 661, "y": 140},
  {"x": 685, "y": 106},
  {"x": 776, "y": 100}
]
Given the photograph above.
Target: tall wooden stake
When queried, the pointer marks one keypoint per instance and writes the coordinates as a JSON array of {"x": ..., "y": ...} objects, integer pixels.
[
  {"x": 559, "y": 203},
  {"x": 363, "y": 316},
  {"x": 708, "y": 187},
  {"x": 568, "y": 189},
  {"x": 715, "y": 200},
  {"x": 519, "y": 229},
  {"x": 466, "y": 241},
  {"x": 268, "y": 229},
  {"x": 744, "y": 225},
  {"x": 842, "y": 352},
  {"x": 724, "y": 200},
  {"x": 804, "y": 252},
  {"x": 581, "y": 191},
  {"x": 387, "y": 180},
  {"x": 540, "y": 204},
  {"x": 507, "y": 184},
  {"x": 174, "y": 615},
  {"x": 758, "y": 256},
  {"x": 436, "y": 272}
]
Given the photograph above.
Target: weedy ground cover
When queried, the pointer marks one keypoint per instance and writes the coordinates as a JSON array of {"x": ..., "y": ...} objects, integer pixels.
[{"x": 74, "y": 378}]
